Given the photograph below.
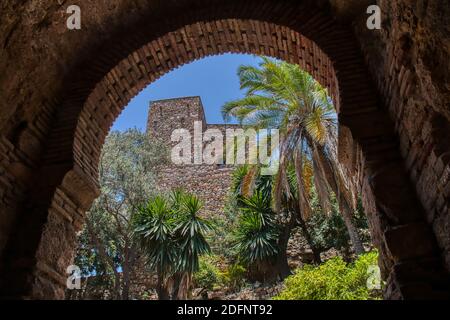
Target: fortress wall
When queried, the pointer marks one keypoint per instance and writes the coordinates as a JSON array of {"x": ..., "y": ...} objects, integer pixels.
[{"x": 211, "y": 183}]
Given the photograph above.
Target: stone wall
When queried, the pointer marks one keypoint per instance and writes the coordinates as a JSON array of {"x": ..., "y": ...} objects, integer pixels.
[
  {"x": 410, "y": 61},
  {"x": 61, "y": 90},
  {"x": 211, "y": 183}
]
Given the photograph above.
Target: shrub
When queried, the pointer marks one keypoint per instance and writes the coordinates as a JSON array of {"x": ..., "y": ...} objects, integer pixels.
[
  {"x": 332, "y": 280},
  {"x": 234, "y": 277},
  {"x": 328, "y": 231}
]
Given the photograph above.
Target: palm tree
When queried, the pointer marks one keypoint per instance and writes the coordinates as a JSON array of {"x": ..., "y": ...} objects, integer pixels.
[
  {"x": 250, "y": 188},
  {"x": 171, "y": 234},
  {"x": 282, "y": 96}
]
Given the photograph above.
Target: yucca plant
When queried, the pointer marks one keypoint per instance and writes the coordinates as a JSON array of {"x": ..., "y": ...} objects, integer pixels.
[
  {"x": 256, "y": 236},
  {"x": 171, "y": 234},
  {"x": 154, "y": 223},
  {"x": 190, "y": 232},
  {"x": 262, "y": 234}
]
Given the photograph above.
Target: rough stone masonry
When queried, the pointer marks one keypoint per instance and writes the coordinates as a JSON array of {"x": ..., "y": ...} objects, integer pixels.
[
  {"x": 211, "y": 183},
  {"x": 61, "y": 90}
]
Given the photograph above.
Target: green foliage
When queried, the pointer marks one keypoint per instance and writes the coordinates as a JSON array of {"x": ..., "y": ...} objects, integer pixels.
[
  {"x": 237, "y": 177},
  {"x": 220, "y": 237},
  {"x": 278, "y": 93},
  {"x": 171, "y": 233},
  {"x": 127, "y": 167},
  {"x": 327, "y": 231},
  {"x": 256, "y": 235},
  {"x": 127, "y": 177},
  {"x": 191, "y": 231},
  {"x": 208, "y": 276},
  {"x": 234, "y": 276},
  {"x": 154, "y": 226},
  {"x": 361, "y": 222},
  {"x": 88, "y": 257},
  {"x": 283, "y": 96},
  {"x": 332, "y": 280}
]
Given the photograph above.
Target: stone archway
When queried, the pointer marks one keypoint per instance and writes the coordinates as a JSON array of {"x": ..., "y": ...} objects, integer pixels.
[{"x": 59, "y": 183}]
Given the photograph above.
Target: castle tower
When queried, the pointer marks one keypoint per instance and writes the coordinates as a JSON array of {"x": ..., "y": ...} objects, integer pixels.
[
  {"x": 211, "y": 183},
  {"x": 170, "y": 114}
]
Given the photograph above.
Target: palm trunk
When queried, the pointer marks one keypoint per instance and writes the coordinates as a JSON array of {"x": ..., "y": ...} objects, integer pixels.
[
  {"x": 126, "y": 286},
  {"x": 352, "y": 231},
  {"x": 161, "y": 288},
  {"x": 295, "y": 207},
  {"x": 163, "y": 293},
  {"x": 334, "y": 180},
  {"x": 277, "y": 268},
  {"x": 282, "y": 267},
  {"x": 184, "y": 286},
  {"x": 316, "y": 252},
  {"x": 176, "y": 283}
]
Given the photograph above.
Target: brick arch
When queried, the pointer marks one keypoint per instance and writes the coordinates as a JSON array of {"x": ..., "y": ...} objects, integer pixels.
[
  {"x": 110, "y": 74},
  {"x": 192, "y": 42}
]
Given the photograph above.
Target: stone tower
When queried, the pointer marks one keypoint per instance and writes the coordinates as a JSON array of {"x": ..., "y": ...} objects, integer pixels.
[
  {"x": 211, "y": 183},
  {"x": 170, "y": 114}
]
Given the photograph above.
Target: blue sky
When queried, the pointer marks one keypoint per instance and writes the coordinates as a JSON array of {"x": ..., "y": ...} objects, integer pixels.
[{"x": 214, "y": 79}]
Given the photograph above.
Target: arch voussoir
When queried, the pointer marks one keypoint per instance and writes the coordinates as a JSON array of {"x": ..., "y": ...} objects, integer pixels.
[{"x": 146, "y": 46}]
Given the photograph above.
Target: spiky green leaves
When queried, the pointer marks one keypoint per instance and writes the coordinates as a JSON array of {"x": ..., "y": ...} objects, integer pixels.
[
  {"x": 171, "y": 232},
  {"x": 257, "y": 231}
]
